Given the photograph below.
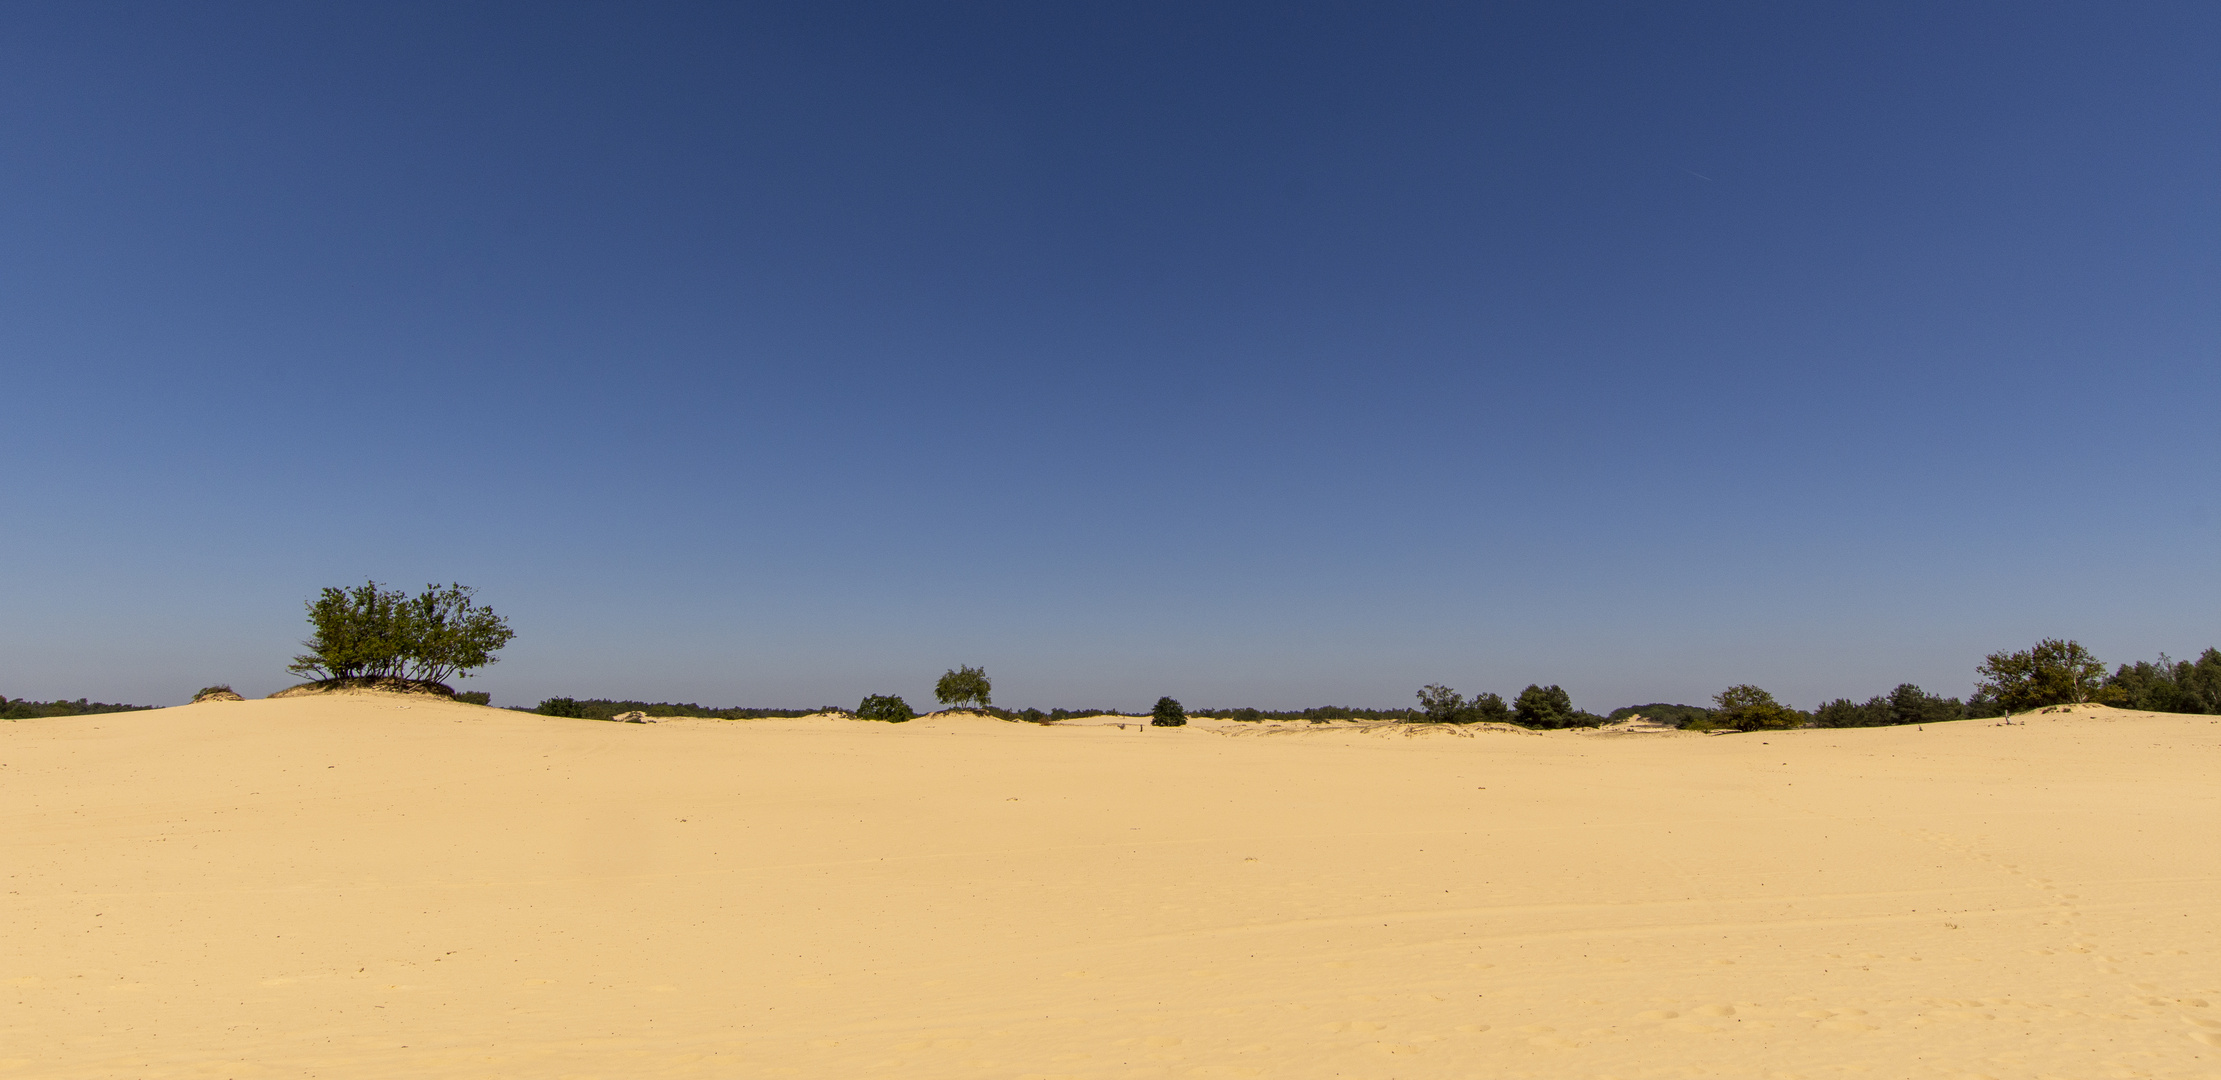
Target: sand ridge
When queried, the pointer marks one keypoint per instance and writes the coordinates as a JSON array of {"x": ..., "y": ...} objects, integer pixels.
[{"x": 376, "y": 885}]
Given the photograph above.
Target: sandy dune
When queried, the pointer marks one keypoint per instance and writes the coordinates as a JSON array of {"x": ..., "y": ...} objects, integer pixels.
[{"x": 373, "y": 886}]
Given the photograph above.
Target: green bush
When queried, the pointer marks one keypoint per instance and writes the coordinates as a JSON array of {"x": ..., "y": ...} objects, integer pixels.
[
  {"x": 1550, "y": 707},
  {"x": 371, "y": 632},
  {"x": 885, "y": 707},
  {"x": 1748, "y": 708},
  {"x": 475, "y": 697},
  {"x": 561, "y": 706},
  {"x": 1168, "y": 714}
]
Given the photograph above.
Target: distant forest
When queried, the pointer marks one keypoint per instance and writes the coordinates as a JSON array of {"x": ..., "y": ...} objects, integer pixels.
[{"x": 21, "y": 709}]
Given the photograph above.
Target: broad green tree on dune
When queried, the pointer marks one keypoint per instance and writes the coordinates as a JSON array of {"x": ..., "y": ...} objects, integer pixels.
[
  {"x": 2054, "y": 672},
  {"x": 965, "y": 685}
]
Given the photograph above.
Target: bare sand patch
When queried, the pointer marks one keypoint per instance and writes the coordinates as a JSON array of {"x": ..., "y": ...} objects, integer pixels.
[{"x": 375, "y": 885}]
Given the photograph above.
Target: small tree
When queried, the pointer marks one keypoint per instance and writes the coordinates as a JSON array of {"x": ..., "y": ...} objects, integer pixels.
[
  {"x": 886, "y": 707},
  {"x": 374, "y": 632},
  {"x": 1168, "y": 713},
  {"x": 1439, "y": 704},
  {"x": 964, "y": 685},
  {"x": 2055, "y": 672},
  {"x": 1748, "y": 708}
]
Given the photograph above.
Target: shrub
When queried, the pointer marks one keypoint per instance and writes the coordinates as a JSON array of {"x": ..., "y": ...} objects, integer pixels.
[
  {"x": 475, "y": 697},
  {"x": 885, "y": 707},
  {"x": 379, "y": 633},
  {"x": 1748, "y": 708},
  {"x": 1550, "y": 707},
  {"x": 1660, "y": 712},
  {"x": 1167, "y": 714},
  {"x": 561, "y": 706},
  {"x": 2054, "y": 672}
]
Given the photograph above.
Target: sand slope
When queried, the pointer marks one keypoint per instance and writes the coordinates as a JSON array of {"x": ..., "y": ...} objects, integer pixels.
[{"x": 373, "y": 886}]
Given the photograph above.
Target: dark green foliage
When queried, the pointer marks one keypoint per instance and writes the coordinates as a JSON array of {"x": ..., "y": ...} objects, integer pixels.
[
  {"x": 605, "y": 708},
  {"x": 2055, "y": 672},
  {"x": 20, "y": 709},
  {"x": 219, "y": 688},
  {"x": 475, "y": 697},
  {"x": 1550, "y": 707},
  {"x": 1663, "y": 713},
  {"x": 1487, "y": 709},
  {"x": 371, "y": 632},
  {"x": 2164, "y": 685},
  {"x": 1439, "y": 704},
  {"x": 1748, "y": 708},
  {"x": 1908, "y": 704},
  {"x": 965, "y": 685},
  {"x": 1318, "y": 714},
  {"x": 1168, "y": 714},
  {"x": 885, "y": 707},
  {"x": 1442, "y": 705}
]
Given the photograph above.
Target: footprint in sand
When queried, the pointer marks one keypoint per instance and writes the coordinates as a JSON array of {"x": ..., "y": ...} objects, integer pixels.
[{"x": 1715, "y": 1010}]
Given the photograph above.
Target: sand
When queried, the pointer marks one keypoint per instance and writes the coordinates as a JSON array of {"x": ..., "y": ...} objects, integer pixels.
[{"x": 378, "y": 886}]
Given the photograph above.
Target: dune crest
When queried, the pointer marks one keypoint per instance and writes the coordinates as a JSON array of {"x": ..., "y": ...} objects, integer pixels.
[{"x": 374, "y": 884}]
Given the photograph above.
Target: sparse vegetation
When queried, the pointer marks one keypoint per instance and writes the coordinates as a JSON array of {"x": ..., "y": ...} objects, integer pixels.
[
  {"x": 1168, "y": 714},
  {"x": 605, "y": 708},
  {"x": 475, "y": 697},
  {"x": 1659, "y": 712},
  {"x": 371, "y": 632}
]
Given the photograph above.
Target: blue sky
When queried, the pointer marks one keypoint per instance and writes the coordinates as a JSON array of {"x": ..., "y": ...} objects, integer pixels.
[{"x": 1254, "y": 354}]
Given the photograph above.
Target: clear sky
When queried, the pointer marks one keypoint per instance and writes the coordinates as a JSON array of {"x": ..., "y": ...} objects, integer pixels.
[{"x": 1272, "y": 354}]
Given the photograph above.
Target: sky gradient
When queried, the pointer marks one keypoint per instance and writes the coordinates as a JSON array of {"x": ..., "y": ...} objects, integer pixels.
[{"x": 1271, "y": 355}]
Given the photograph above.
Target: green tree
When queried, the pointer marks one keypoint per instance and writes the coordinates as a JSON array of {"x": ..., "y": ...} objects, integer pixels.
[
  {"x": 1442, "y": 705},
  {"x": 1544, "y": 707},
  {"x": 2180, "y": 686},
  {"x": 884, "y": 707},
  {"x": 964, "y": 685},
  {"x": 2055, "y": 672},
  {"x": 1439, "y": 704},
  {"x": 1748, "y": 708},
  {"x": 1486, "y": 708},
  {"x": 371, "y": 631},
  {"x": 1168, "y": 713}
]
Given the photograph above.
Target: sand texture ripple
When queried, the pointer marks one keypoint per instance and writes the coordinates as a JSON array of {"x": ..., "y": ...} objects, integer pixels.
[{"x": 372, "y": 885}]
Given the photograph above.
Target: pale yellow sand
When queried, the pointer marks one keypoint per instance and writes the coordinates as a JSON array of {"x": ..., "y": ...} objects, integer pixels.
[{"x": 378, "y": 887}]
